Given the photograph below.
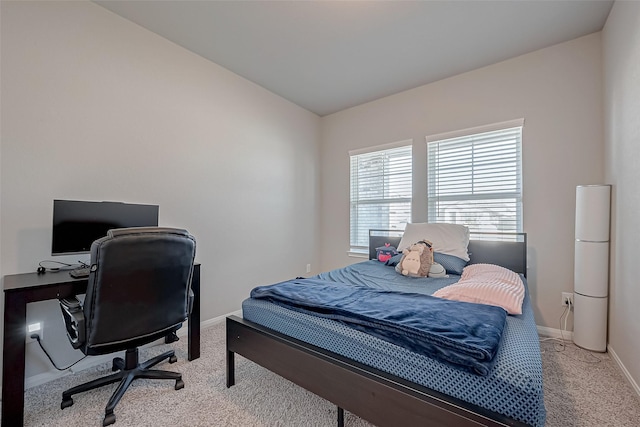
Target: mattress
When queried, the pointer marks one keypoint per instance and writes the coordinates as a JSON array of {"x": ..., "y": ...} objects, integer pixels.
[{"x": 513, "y": 387}]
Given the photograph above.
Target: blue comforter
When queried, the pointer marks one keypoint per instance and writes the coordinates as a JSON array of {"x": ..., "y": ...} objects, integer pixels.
[{"x": 462, "y": 334}]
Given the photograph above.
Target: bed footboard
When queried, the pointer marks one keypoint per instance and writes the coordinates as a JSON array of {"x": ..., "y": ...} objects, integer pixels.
[{"x": 378, "y": 397}]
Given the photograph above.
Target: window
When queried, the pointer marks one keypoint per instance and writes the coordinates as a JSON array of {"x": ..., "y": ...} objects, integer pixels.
[
  {"x": 475, "y": 178},
  {"x": 380, "y": 191}
]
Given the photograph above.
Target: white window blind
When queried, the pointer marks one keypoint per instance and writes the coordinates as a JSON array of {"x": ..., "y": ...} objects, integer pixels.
[
  {"x": 381, "y": 188},
  {"x": 476, "y": 180}
]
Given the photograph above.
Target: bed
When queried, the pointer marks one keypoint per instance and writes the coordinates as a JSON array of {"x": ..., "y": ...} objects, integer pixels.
[{"x": 388, "y": 385}]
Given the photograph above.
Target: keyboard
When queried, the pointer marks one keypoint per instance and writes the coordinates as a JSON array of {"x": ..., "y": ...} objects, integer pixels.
[{"x": 79, "y": 273}]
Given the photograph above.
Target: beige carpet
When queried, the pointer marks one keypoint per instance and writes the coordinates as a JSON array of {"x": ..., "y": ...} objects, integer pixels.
[
  {"x": 578, "y": 392},
  {"x": 582, "y": 388}
]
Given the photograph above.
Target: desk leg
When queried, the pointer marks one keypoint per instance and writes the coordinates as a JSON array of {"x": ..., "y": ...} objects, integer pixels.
[
  {"x": 13, "y": 353},
  {"x": 194, "y": 317}
]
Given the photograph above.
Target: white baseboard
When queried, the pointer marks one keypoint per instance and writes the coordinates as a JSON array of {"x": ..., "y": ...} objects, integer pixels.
[
  {"x": 626, "y": 373},
  {"x": 210, "y": 322},
  {"x": 555, "y": 333},
  {"x": 45, "y": 377}
]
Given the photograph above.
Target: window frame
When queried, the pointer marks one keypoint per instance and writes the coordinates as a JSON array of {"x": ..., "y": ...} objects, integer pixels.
[
  {"x": 516, "y": 194},
  {"x": 363, "y": 250}
]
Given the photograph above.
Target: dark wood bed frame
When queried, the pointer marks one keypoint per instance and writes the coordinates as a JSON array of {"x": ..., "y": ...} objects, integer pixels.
[{"x": 378, "y": 397}]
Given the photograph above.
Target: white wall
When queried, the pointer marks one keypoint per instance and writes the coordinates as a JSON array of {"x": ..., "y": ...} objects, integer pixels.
[
  {"x": 556, "y": 90},
  {"x": 621, "y": 54},
  {"x": 98, "y": 108}
]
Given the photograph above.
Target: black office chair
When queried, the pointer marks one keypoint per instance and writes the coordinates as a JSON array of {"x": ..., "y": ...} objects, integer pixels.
[{"x": 139, "y": 291}]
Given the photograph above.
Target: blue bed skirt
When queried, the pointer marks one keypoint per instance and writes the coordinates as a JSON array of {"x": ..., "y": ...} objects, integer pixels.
[{"x": 513, "y": 386}]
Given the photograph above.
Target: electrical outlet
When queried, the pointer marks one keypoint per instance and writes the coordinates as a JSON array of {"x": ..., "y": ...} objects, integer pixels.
[
  {"x": 567, "y": 298},
  {"x": 35, "y": 328},
  {"x": 308, "y": 268}
]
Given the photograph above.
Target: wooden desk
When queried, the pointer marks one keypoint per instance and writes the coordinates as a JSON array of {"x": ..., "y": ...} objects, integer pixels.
[{"x": 21, "y": 289}]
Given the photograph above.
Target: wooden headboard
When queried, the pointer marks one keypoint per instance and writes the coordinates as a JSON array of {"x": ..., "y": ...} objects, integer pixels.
[{"x": 508, "y": 250}]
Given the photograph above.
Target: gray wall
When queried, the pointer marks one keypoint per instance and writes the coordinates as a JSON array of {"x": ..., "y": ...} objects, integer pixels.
[
  {"x": 98, "y": 108},
  {"x": 556, "y": 90},
  {"x": 621, "y": 46}
]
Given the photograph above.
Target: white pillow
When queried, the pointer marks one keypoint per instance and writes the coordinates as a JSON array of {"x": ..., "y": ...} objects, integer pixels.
[{"x": 450, "y": 239}]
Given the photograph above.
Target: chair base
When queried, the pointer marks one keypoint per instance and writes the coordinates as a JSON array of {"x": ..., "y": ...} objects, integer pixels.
[{"x": 129, "y": 369}]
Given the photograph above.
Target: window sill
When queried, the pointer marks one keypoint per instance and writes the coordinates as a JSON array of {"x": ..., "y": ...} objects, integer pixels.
[{"x": 355, "y": 254}]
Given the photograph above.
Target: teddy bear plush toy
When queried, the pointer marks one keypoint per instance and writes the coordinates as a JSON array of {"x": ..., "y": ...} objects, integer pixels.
[{"x": 416, "y": 260}]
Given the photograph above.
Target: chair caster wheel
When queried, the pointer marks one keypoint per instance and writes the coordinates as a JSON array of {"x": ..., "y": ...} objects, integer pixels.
[
  {"x": 179, "y": 384},
  {"x": 173, "y": 359},
  {"x": 109, "y": 419},
  {"x": 66, "y": 403}
]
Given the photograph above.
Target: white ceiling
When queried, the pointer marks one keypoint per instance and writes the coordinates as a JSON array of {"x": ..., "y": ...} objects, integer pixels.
[{"x": 330, "y": 55}]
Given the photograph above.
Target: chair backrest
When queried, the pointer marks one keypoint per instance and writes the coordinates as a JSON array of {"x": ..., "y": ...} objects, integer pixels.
[{"x": 139, "y": 287}]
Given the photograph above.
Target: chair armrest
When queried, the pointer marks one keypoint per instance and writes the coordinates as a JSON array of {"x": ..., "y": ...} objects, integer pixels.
[
  {"x": 190, "y": 299},
  {"x": 73, "y": 321}
]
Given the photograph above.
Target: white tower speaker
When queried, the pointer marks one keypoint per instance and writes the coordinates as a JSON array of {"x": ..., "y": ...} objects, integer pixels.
[{"x": 591, "y": 267}]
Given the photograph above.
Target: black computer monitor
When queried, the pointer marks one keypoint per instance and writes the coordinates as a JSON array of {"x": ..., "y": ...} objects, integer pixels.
[{"x": 76, "y": 224}]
